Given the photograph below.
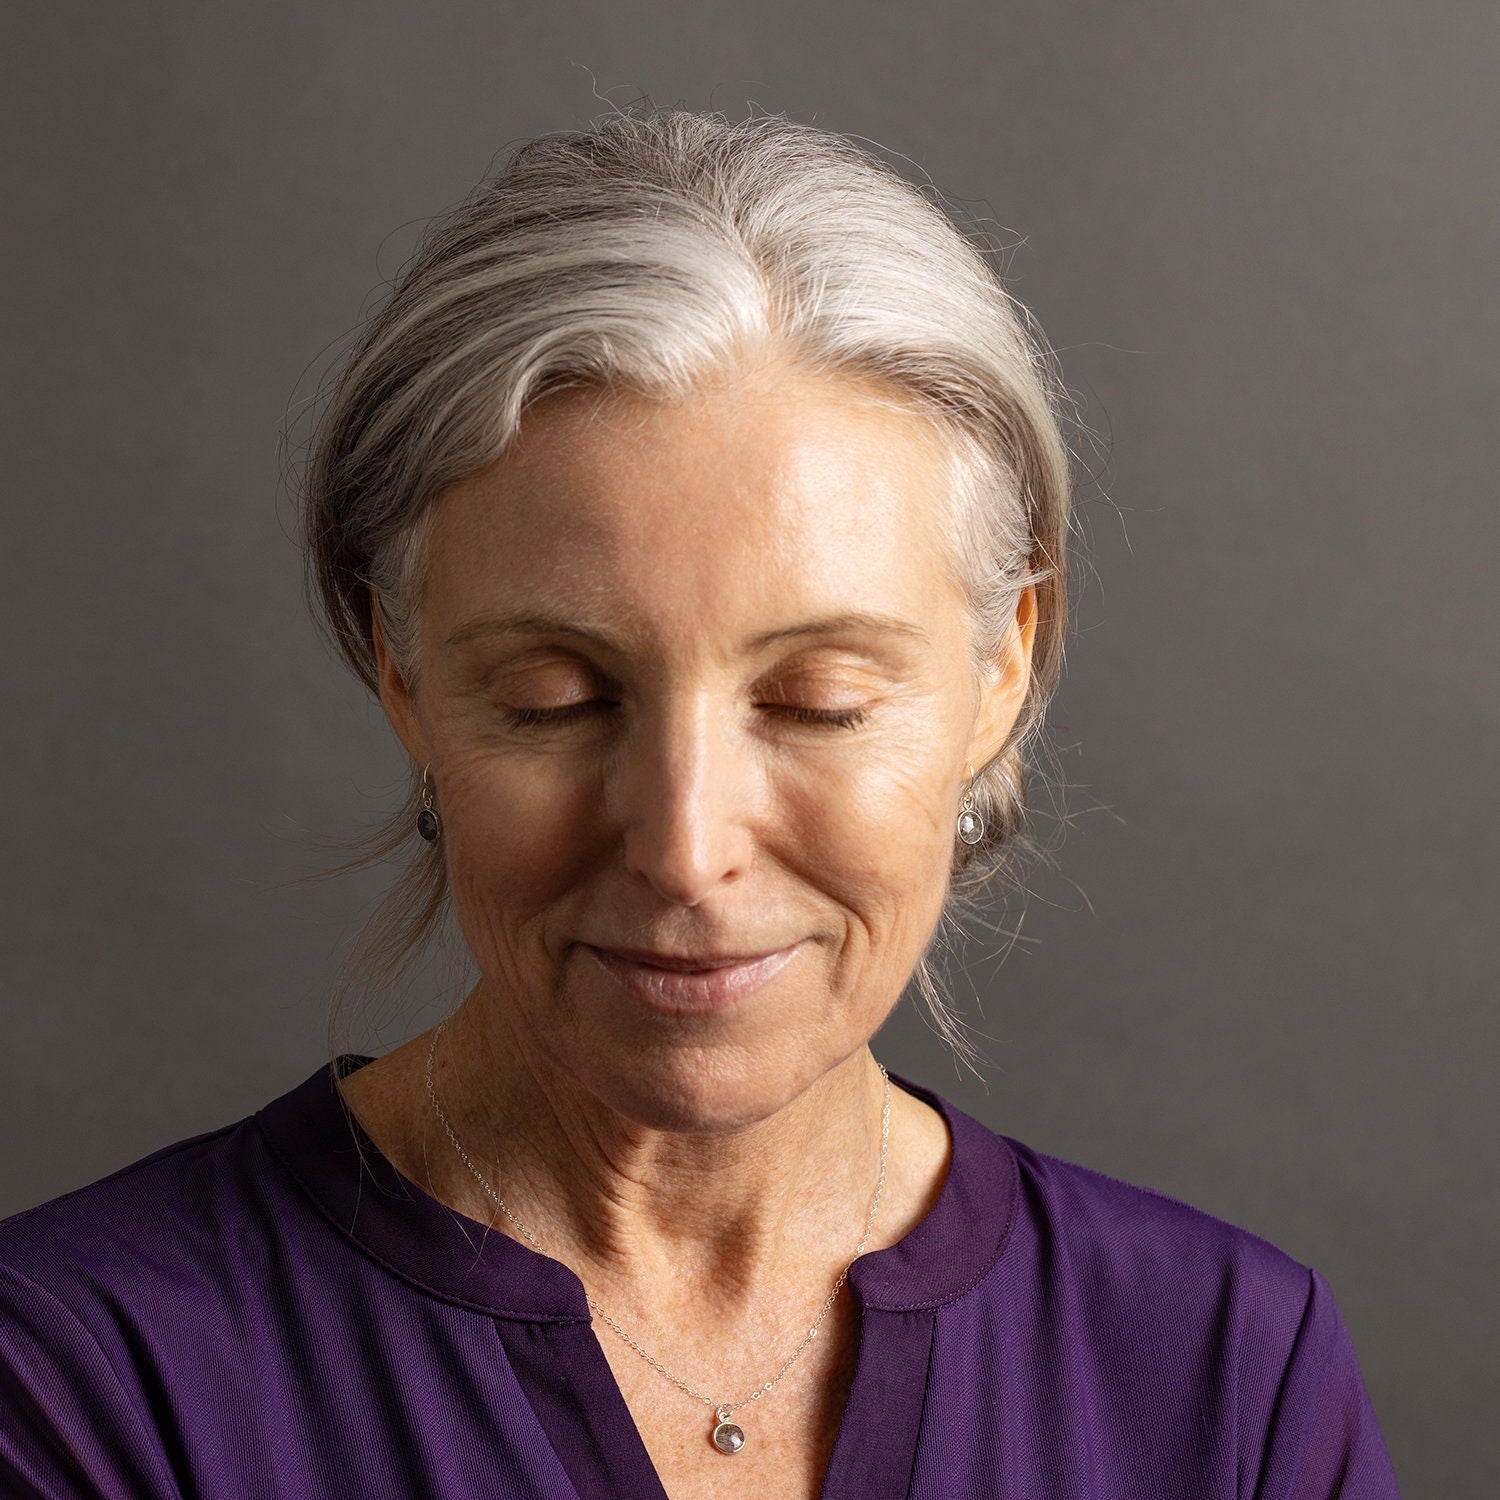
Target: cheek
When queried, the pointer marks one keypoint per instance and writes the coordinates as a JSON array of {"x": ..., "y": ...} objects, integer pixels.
[
  {"x": 874, "y": 834},
  {"x": 515, "y": 846},
  {"x": 883, "y": 809}
]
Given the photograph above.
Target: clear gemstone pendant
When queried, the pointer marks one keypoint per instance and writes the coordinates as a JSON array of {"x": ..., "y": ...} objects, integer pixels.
[{"x": 729, "y": 1437}]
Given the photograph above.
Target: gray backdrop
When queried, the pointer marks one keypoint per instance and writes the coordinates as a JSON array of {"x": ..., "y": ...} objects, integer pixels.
[{"x": 1264, "y": 239}]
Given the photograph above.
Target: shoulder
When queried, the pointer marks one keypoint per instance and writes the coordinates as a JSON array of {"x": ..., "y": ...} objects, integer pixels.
[
  {"x": 1060, "y": 1221},
  {"x": 1105, "y": 1216},
  {"x": 1071, "y": 1234},
  {"x": 154, "y": 1222},
  {"x": 104, "y": 1292},
  {"x": 1161, "y": 1295},
  {"x": 1142, "y": 1251}
]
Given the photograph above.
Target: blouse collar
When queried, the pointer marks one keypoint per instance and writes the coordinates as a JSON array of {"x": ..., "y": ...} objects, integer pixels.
[{"x": 327, "y": 1151}]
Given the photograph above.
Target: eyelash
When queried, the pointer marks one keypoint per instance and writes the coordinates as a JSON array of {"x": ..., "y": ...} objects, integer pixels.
[{"x": 832, "y": 718}]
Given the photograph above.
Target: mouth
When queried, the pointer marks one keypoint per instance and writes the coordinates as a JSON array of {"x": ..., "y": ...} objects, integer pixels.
[{"x": 690, "y": 984}]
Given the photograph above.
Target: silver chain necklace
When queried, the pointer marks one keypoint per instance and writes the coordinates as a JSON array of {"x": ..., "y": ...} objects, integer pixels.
[{"x": 727, "y": 1436}]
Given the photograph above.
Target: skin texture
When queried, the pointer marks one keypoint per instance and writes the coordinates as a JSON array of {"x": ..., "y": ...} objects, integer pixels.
[{"x": 707, "y": 1176}]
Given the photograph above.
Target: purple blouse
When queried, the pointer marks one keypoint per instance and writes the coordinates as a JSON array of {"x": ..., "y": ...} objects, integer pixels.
[{"x": 270, "y": 1309}]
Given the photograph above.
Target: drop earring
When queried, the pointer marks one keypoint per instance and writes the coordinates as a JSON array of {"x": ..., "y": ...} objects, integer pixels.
[
  {"x": 427, "y": 820},
  {"x": 970, "y": 824}
]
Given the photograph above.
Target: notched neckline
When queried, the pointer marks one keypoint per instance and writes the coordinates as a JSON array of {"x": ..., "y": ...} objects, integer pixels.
[{"x": 328, "y": 1152}]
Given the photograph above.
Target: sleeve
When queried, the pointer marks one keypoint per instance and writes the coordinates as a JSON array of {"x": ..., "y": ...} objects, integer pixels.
[
  {"x": 1324, "y": 1441},
  {"x": 69, "y": 1429}
]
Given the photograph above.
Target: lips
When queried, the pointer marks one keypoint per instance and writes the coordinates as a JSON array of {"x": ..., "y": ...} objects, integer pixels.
[
  {"x": 686, "y": 963},
  {"x": 699, "y": 984}
]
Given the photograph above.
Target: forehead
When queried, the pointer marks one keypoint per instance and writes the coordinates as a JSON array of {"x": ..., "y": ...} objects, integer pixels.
[{"x": 775, "y": 490}]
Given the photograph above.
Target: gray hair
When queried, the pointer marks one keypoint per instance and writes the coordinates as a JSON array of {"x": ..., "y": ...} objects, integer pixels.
[{"x": 647, "y": 253}]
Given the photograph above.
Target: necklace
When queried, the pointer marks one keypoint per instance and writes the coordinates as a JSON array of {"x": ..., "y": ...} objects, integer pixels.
[{"x": 727, "y": 1436}]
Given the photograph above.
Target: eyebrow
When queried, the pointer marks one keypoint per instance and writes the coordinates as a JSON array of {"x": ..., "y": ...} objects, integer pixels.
[{"x": 850, "y": 622}]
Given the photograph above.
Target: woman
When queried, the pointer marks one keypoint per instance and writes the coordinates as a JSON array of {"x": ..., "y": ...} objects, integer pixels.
[{"x": 696, "y": 507}]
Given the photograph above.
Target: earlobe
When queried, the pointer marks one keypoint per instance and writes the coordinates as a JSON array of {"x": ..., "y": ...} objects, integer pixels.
[
  {"x": 395, "y": 699},
  {"x": 1005, "y": 688},
  {"x": 1026, "y": 617}
]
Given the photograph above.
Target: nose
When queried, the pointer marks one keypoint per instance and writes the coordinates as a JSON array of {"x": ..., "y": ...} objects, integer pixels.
[{"x": 682, "y": 785}]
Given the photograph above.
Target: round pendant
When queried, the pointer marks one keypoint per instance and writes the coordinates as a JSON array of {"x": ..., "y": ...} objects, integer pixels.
[
  {"x": 970, "y": 827},
  {"x": 729, "y": 1437},
  {"x": 427, "y": 824}
]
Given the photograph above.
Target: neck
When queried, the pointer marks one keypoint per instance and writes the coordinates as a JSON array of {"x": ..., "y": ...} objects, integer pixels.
[{"x": 719, "y": 1212}]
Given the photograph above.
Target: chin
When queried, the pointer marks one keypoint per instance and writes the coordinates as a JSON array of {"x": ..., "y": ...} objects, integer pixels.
[{"x": 701, "y": 1089}]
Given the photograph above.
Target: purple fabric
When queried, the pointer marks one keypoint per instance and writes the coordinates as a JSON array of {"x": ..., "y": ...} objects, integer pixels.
[{"x": 270, "y": 1309}]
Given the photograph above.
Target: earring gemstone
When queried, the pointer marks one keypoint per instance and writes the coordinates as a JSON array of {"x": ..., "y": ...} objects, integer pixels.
[
  {"x": 427, "y": 824},
  {"x": 970, "y": 826}
]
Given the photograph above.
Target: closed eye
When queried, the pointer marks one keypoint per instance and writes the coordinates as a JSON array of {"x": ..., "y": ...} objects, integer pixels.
[
  {"x": 836, "y": 718},
  {"x": 534, "y": 718}
]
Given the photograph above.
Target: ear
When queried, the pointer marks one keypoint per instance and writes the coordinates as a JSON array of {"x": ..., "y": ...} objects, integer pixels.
[
  {"x": 399, "y": 704},
  {"x": 1004, "y": 687}
]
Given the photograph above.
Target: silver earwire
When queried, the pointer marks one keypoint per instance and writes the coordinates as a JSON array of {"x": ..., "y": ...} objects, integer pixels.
[
  {"x": 970, "y": 824},
  {"x": 428, "y": 824}
]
